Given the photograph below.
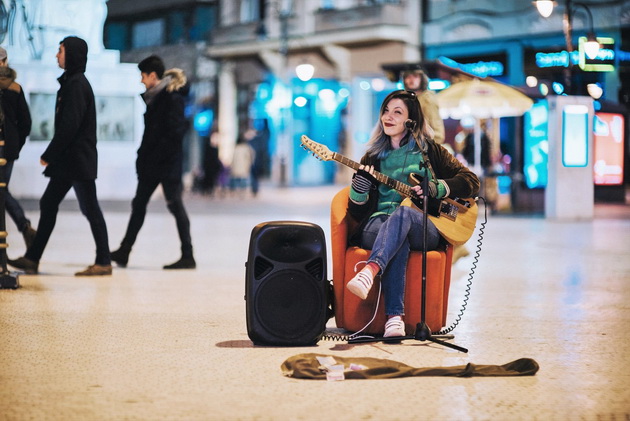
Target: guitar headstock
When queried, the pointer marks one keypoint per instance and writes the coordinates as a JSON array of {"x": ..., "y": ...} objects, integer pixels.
[{"x": 319, "y": 151}]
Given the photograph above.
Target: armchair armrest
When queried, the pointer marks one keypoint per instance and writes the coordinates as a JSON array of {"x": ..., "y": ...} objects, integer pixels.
[{"x": 339, "y": 244}]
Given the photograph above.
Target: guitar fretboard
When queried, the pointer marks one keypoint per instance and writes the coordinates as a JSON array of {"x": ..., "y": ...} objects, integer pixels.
[{"x": 400, "y": 187}]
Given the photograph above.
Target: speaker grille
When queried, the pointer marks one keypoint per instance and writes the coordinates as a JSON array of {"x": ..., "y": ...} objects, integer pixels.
[
  {"x": 316, "y": 268},
  {"x": 289, "y": 304},
  {"x": 262, "y": 267}
]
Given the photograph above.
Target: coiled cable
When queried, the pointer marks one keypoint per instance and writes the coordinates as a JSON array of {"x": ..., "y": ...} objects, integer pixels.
[
  {"x": 458, "y": 318},
  {"x": 355, "y": 335}
]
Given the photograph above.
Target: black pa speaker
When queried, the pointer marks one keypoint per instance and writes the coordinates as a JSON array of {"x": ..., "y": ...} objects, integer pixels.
[{"x": 286, "y": 290}]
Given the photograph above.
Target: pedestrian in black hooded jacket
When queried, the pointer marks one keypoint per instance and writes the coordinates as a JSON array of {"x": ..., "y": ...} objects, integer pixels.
[
  {"x": 16, "y": 126},
  {"x": 160, "y": 157},
  {"x": 71, "y": 161}
]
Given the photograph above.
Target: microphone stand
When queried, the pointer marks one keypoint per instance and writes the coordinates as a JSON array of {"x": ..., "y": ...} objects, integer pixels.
[{"x": 423, "y": 332}]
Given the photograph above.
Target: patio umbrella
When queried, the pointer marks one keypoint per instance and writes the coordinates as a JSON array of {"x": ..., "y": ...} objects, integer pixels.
[{"x": 481, "y": 99}]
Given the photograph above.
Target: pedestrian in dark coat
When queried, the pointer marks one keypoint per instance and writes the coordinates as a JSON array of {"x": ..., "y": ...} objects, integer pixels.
[
  {"x": 15, "y": 127},
  {"x": 71, "y": 161},
  {"x": 160, "y": 157}
]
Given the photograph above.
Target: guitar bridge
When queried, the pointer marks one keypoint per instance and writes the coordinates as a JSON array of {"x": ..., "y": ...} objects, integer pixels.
[{"x": 448, "y": 211}]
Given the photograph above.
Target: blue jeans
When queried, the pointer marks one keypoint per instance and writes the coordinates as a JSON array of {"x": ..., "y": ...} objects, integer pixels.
[
  {"x": 88, "y": 203},
  {"x": 391, "y": 239}
]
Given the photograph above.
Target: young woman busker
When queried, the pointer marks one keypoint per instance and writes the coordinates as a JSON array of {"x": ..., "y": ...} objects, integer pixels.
[{"x": 389, "y": 230}]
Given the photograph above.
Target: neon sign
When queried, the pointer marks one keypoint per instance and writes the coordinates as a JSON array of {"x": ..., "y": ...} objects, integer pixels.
[
  {"x": 604, "y": 62},
  {"x": 480, "y": 68},
  {"x": 560, "y": 59}
]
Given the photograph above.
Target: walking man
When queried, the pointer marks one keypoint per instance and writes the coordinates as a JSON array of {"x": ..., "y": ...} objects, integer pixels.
[
  {"x": 71, "y": 161},
  {"x": 160, "y": 157}
]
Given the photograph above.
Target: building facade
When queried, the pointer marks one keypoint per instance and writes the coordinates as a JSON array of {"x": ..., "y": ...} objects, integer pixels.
[
  {"x": 513, "y": 43},
  {"x": 30, "y": 31},
  {"x": 179, "y": 31},
  {"x": 243, "y": 56},
  {"x": 260, "y": 44}
]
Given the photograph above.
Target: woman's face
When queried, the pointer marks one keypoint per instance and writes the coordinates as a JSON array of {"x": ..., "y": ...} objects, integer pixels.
[{"x": 393, "y": 119}]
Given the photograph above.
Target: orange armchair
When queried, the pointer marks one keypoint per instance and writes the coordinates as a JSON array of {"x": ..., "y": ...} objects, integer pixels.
[{"x": 352, "y": 313}]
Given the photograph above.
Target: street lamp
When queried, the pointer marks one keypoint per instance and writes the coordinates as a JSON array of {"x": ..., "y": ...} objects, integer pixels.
[
  {"x": 304, "y": 71},
  {"x": 595, "y": 90},
  {"x": 545, "y": 8},
  {"x": 591, "y": 47}
]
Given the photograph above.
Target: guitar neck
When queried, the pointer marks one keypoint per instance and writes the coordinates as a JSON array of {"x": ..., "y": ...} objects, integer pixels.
[{"x": 400, "y": 187}]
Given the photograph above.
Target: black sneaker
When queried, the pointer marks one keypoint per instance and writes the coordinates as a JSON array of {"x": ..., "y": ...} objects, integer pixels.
[
  {"x": 120, "y": 256},
  {"x": 183, "y": 263}
]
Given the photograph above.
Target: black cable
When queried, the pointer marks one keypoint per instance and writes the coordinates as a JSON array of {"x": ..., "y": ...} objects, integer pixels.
[
  {"x": 482, "y": 227},
  {"x": 355, "y": 335},
  {"x": 336, "y": 337}
]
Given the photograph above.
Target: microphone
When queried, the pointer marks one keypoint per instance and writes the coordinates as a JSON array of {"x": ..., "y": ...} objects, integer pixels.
[{"x": 410, "y": 124}]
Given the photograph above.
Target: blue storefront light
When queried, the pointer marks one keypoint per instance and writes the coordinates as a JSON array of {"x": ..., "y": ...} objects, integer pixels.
[
  {"x": 438, "y": 84},
  {"x": 203, "y": 121},
  {"x": 328, "y": 100},
  {"x": 558, "y": 88},
  {"x": 300, "y": 101},
  {"x": 536, "y": 145}
]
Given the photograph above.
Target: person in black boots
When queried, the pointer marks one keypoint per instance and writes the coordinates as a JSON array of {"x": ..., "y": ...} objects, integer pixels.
[
  {"x": 17, "y": 126},
  {"x": 160, "y": 157},
  {"x": 71, "y": 161}
]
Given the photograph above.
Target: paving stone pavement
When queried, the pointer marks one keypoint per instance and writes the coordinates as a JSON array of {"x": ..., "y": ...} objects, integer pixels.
[{"x": 149, "y": 344}]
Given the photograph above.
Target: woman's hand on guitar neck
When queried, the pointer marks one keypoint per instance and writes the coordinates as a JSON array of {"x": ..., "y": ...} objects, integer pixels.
[
  {"x": 417, "y": 189},
  {"x": 363, "y": 179}
]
